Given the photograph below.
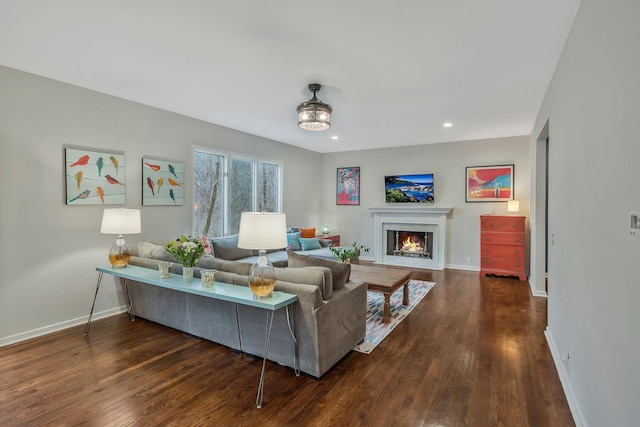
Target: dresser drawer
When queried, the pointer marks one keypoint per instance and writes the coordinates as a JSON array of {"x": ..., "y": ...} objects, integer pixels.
[
  {"x": 507, "y": 264},
  {"x": 490, "y": 238},
  {"x": 505, "y": 224},
  {"x": 502, "y": 251}
]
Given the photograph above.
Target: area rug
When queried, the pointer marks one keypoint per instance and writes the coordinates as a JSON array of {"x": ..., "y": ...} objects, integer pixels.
[{"x": 376, "y": 330}]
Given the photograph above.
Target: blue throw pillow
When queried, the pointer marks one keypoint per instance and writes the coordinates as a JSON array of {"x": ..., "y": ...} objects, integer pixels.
[
  {"x": 293, "y": 242},
  {"x": 310, "y": 243}
]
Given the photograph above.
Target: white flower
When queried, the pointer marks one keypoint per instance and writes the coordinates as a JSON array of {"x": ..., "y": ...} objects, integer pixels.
[{"x": 189, "y": 246}]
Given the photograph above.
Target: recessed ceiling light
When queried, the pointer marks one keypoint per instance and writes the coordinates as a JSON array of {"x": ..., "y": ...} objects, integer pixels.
[
  {"x": 448, "y": 124},
  {"x": 334, "y": 137}
]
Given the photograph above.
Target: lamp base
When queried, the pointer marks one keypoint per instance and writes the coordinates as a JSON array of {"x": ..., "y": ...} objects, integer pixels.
[
  {"x": 119, "y": 254},
  {"x": 262, "y": 277}
]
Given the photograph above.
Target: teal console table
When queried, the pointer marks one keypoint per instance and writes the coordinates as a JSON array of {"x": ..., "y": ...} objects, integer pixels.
[{"x": 222, "y": 291}]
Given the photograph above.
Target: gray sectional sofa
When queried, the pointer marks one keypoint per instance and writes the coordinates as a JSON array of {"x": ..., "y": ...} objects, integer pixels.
[
  {"x": 227, "y": 248},
  {"x": 329, "y": 316}
]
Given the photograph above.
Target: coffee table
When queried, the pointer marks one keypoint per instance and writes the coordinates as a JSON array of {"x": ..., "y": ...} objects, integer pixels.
[{"x": 385, "y": 280}]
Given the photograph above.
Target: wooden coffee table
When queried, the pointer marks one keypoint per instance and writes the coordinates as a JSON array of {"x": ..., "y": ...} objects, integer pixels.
[{"x": 385, "y": 280}]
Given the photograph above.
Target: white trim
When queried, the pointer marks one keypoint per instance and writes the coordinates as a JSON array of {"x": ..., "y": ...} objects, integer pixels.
[
  {"x": 536, "y": 293},
  {"x": 410, "y": 210},
  {"x": 564, "y": 380},
  {"x": 463, "y": 267},
  {"x": 44, "y": 330}
]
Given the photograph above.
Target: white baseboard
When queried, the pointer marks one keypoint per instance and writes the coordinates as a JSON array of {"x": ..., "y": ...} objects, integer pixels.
[
  {"x": 463, "y": 267},
  {"x": 535, "y": 293},
  {"x": 564, "y": 380},
  {"x": 23, "y": 336}
]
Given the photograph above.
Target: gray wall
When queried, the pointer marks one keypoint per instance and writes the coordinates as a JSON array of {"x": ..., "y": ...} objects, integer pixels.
[
  {"x": 447, "y": 162},
  {"x": 49, "y": 250},
  {"x": 592, "y": 108}
]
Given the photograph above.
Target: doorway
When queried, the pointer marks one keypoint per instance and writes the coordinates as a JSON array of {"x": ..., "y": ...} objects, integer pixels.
[{"x": 540, "y": 214}]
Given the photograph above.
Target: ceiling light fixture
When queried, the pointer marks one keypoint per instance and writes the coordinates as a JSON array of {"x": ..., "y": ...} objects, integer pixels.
[{"x": 314, "y": 114}]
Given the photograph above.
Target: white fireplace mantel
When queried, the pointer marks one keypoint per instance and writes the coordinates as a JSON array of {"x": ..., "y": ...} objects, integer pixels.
[
  {"x": 411, "y": 211},
  {"x": 435, "y": 218}
]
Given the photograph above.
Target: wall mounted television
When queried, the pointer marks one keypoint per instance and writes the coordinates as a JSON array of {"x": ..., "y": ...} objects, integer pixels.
[{"x": 409, "y": 188}]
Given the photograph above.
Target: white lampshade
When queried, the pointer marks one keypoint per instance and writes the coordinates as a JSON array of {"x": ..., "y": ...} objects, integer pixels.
[
  {"x": 513, "y": 206},
  {"x": 121, "y": 221},
  {"x": 262, "y": 230}
]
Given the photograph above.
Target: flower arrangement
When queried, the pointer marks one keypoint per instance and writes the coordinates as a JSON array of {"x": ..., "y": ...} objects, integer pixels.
[
  {"x": 188, "y": 250},
  {"x": 348, "y": 255}
]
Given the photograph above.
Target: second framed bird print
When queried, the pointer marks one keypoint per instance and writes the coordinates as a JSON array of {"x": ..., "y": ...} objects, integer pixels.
[{"x": 162, "y": 183}]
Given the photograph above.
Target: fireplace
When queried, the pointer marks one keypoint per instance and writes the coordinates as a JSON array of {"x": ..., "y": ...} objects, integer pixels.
[
  {"x": 409, "y": 243},
  {"x": 411, "y": 237}
]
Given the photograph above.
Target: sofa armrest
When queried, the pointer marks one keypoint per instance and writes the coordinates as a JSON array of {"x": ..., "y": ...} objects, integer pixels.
[
  {"x": 309, "y": 296},
  {"x": 325, "y": 243}
]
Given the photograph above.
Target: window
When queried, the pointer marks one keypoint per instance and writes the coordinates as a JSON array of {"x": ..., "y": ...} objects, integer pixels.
[{"x": 227, "y": 184}]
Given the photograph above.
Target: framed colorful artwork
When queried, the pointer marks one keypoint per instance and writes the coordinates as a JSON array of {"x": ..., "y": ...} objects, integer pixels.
[
  {"x": 489, "y": 183},
  {"x": 94, "y": 177},
  {"x": 162, "y": 183},
  {"x": 348, "y": 186}
]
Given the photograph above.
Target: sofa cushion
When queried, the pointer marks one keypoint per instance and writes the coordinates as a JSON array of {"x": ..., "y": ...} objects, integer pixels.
[
  {"x": 318, "y": 276},
  {"x": 293, "y": 241},
  {"x": 307, "y": 232},
  {"x": 309, "y": 244},
  {"x": 339, "y": 271},
  {"x": 152, "y": 250},
  {"x": 210, "y": 262},
  {"x": 227, "y": 248}
]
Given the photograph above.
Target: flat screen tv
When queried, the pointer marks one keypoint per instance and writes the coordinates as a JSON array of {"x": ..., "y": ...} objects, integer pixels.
[{"x": 409, "y": 188}]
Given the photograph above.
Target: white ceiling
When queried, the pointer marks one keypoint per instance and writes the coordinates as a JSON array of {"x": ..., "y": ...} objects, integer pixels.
[{"x": 394, "y": 71}]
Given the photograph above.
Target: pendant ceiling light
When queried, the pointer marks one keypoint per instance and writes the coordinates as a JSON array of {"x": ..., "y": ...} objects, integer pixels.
[{"x": 314, "y": 114}]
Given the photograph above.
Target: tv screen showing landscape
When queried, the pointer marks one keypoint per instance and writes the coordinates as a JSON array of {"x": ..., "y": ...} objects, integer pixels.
[{"x": 409, "y": 188}]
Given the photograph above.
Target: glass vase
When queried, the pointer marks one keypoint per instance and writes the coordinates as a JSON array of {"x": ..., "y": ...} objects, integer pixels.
[{"x": 187, "y": 274}]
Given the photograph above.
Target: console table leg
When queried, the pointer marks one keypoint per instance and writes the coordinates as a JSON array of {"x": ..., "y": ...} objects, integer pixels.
[
  {"x": 264, "y": 361},
  {"x": 86, "y": 328},
  {"x": 238, "y": 326},
  {"x": 128, "y": 298},
  {"x": 296, "y": 365}
]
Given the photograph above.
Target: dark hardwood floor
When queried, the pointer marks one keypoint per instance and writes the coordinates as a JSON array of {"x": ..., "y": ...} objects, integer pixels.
[{"x": 472, "y": 353}]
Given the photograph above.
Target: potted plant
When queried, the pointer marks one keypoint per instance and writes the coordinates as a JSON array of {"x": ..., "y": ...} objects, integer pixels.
[{"x": 349, "y": 255}]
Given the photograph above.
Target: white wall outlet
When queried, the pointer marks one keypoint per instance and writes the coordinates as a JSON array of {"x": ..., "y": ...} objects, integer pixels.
[
  {"x": 565, "y": 359},
  {"x": 634, "y": 224},
  {"x": 468, "y": 260}
]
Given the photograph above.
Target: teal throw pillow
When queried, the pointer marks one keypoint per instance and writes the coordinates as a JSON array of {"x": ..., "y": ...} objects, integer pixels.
[
  {"x": 310, "y": 243},
  {"x": 293, "y": 241}
]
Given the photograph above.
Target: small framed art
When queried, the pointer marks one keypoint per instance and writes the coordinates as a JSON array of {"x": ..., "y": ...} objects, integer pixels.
[
  {"x": 94, "y": 177},
  {"x": 489, "y": 183},
  {"x": 348, "y": 186},
  {"x": 162, "y": 183}
]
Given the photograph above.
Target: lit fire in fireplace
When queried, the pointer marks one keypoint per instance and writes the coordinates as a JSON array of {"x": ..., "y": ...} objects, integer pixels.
[{"x": 410, "y": 246}]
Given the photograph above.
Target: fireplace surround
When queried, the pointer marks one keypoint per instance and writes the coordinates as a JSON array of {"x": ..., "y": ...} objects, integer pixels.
[{"x": 410, "y": 237}]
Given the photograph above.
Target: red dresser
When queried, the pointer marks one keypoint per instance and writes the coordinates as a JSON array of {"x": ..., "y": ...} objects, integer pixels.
[{"x": 502, "y": 250}]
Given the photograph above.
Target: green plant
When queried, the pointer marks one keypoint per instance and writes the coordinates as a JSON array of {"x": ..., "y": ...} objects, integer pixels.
[{"x": 349, "y": 255}]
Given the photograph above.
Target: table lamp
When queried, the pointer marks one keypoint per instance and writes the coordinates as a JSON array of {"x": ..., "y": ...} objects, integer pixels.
[
  {"x": 513, "y": 206},
  {"x": 262, "y": 231},
  {"x": 120, "y": 221}
]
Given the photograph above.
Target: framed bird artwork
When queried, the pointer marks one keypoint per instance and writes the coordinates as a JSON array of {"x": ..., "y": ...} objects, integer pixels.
[
  {"x": 94, "y": 177},
  {"x": 162, "y": 183}
]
